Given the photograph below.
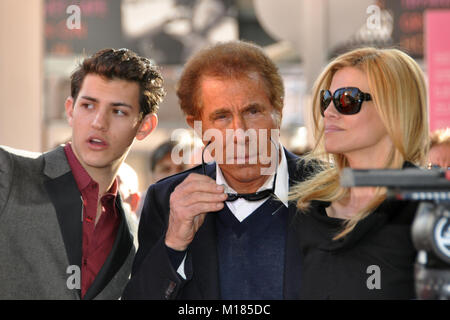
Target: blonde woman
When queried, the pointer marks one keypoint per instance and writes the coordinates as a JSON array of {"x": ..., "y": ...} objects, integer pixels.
[{"x": 369, "y": 112}]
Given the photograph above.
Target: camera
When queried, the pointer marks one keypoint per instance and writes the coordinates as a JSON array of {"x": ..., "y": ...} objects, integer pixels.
[{"x": 431, "y": 226}]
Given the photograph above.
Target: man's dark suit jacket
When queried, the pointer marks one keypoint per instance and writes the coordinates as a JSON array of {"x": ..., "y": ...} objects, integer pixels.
[
  {"x": 153, "y": 276},
  {"x": 41, "y": 232}
]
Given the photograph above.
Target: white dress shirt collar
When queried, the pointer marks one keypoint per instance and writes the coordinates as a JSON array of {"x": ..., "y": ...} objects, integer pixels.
[{"x": 242, "y": 208}]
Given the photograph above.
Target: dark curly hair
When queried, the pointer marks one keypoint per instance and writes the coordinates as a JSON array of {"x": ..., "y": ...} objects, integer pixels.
[{"x": 123, "y": 64}]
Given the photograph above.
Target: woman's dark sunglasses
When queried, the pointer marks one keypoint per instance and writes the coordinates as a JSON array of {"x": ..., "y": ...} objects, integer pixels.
[
  {"x": 346, "y": 100},
  {"x": 247, "y": 196}
]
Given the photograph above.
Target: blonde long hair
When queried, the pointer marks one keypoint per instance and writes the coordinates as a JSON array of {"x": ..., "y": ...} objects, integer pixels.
[{"x": 398, "y": 91}]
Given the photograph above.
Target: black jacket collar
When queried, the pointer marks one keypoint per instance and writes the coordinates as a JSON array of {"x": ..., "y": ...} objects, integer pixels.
[
  {"x": 375, "y": 220},
  {"x": 204, "y": 247}
]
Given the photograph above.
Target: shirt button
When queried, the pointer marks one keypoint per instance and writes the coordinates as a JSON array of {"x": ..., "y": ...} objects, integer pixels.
[{"x": 170, "y": 289}]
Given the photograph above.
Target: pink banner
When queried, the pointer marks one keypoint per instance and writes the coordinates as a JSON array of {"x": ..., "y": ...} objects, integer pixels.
[{"x": 437, "y": 55}]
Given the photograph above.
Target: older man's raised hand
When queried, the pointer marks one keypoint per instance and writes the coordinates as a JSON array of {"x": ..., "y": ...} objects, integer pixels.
[{"x": 189, "y": 202}]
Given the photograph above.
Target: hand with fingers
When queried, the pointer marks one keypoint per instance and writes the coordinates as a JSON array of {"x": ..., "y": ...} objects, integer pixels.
[{"x": 189, "y": 203}]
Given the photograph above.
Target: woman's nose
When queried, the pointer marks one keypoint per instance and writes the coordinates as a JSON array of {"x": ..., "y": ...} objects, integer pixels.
[{"x": 331, "y": 111}]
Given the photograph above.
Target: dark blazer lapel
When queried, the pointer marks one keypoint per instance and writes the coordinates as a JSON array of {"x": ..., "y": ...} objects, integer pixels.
[
  {"x": 292, "y": 258},
  {"x": 116, "y": 258},
  {"x": 204, "y": 252},
  {"x": 205, "y": 258},
  {"x": 204, "y": 246},
  {"x": 64, "y": 194}
]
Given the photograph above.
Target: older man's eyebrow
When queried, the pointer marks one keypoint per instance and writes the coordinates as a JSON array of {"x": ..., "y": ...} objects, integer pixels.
[
  {"x": 219, "y": 112},
  {"x": 254, "y": 105}
]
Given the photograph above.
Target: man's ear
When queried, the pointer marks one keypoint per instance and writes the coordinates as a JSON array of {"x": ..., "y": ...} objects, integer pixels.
[
  {"x": 69, "y": 104},
  {"x": 148, "y": 124},
  {"x": 190, "y": 121}
]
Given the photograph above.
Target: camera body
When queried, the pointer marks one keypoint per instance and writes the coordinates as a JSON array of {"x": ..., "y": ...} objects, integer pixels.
[{"x": 431, "y": 226}]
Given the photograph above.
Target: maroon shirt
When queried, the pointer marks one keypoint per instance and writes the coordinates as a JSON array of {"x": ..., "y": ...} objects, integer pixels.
[{"x": 97, "y": 239}]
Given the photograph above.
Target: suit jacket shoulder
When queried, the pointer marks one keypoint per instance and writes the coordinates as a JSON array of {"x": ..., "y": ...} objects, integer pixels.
[
  {"x": 153, "y": 276},
  {"x": 16, "y": 166},
  {"x": 6, "y": 173},
  {"x": 41, "y": 231}
]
